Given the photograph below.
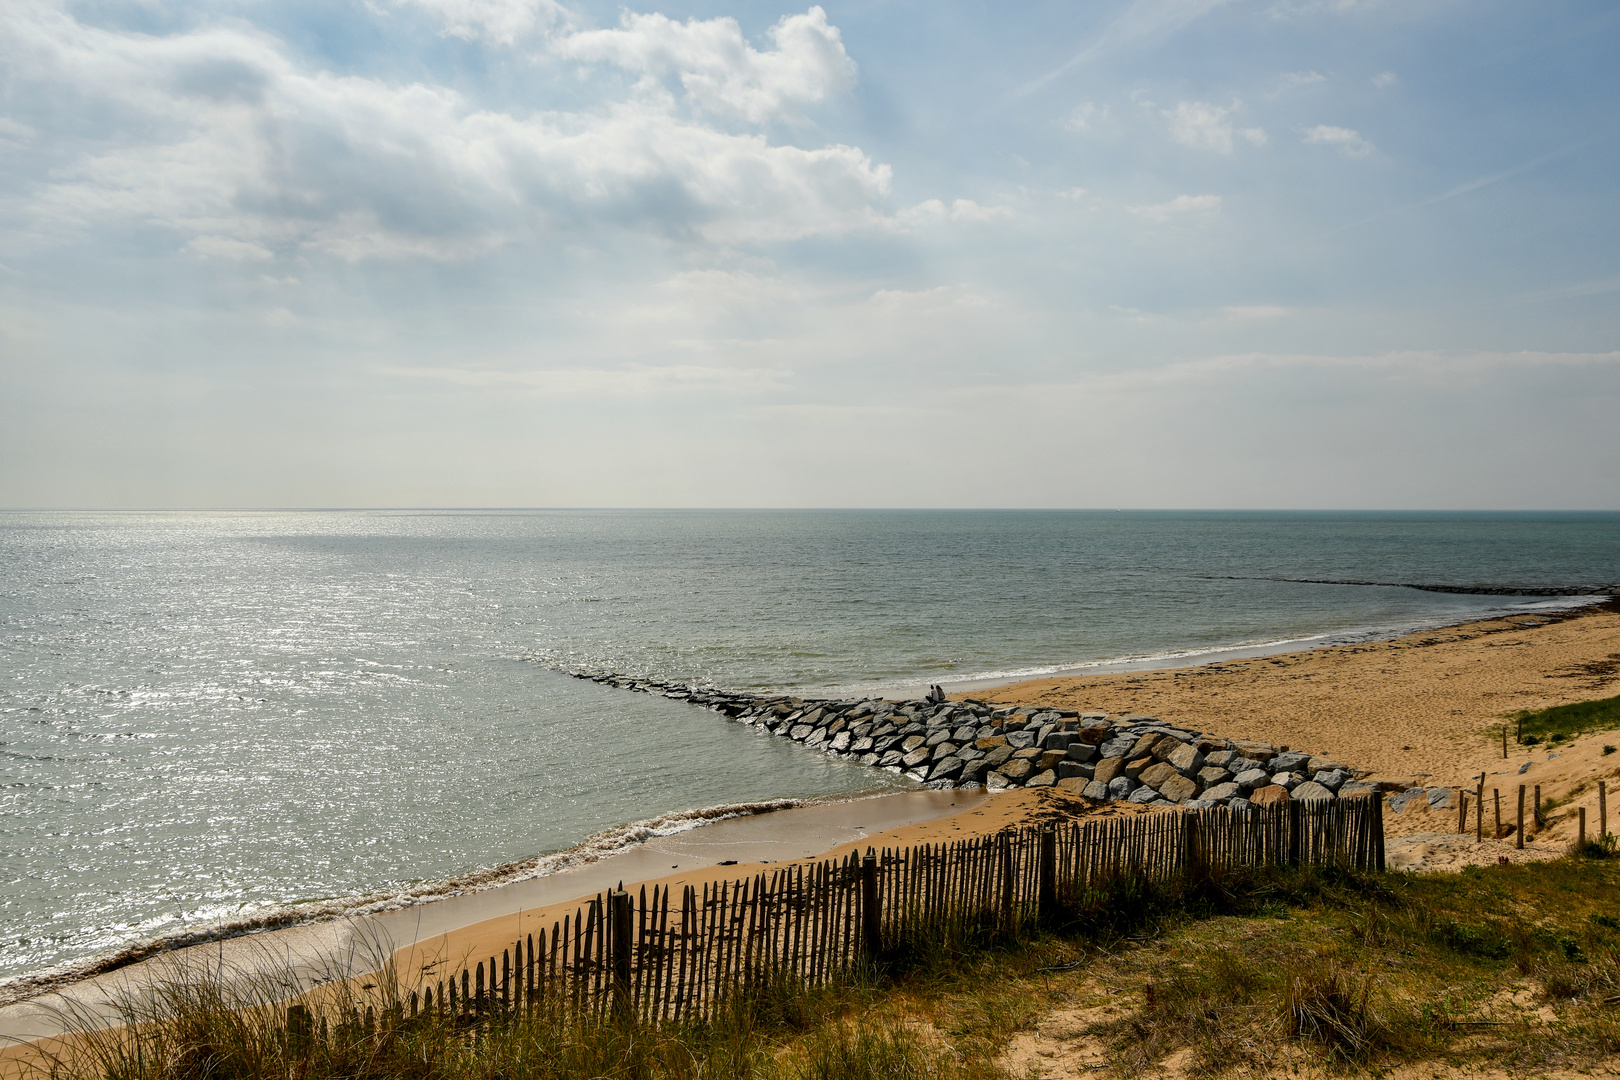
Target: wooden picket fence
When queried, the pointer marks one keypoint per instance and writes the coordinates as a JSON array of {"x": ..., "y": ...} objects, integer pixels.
[{"x": 663, "y": 956}]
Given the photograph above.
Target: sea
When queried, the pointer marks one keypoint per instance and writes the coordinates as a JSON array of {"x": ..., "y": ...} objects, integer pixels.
[{"x": 208, "y": 718}]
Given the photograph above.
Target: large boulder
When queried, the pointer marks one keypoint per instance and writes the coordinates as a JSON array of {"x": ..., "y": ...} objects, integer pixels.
[
  {"x": 1332, "y": 779},
  {"x": 1251, "y": 779},
  {"x": 1094, "y": 735},
  {"x": 996, "y": 782},
  {"x": 911, "y": 742},
  {"x": 1108, "y": 768},
  {"x": 1134, "y": 767},
  {"x": 1049, "y": 759},
  {"x": 1311, "y": 791},
  {"x": 1120, "y": 786},
  {"x": 1079, "y": 751},
  {"x": 947, "y": 769},
  {"x": 1074, "y": 785},
  {"x": 1222, "y": 792},
  {"x": 1018, "y": 769},
  {"x": 943, "y": 750},
  {"x": 1287, "y": 780},
  {"x": 840, "y": 742},
  {"x": 990, "y": 742},
  {"x": 1210, "y": 775},
  {"x": 1177, "y": 788},
  {"x": 965, "y": 734},
  {"x": 799, "y": 731},
  {"x": 1096, "y": 792},
  {"x": 916, "y": 757},
  {"x": 1143, "y": 794},
  {"x": 1186, "y": 759},
  {"x": 1042, "y": 779},
  {"x": 998, "y": 756},
  {"x": 1158, "y": 773},
  {"x": 1020, "y": 740},
  {"x": 973, "y": 771},
  {"x": 1221, "y": 758},
  {"x": 1270, "y": 795},
  {"x": 1255, "y": 751},
  {"x": 938, "y": 736},
  {"x": 1066, "y": 769},
  {"x": 1289, "y": 761}
]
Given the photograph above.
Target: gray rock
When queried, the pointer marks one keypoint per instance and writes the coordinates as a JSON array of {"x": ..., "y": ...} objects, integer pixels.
[
  {"x": 1120, "y": 786},
  {"x": 1020, "y": 740},
  {"x": 911, "y": 742},
  {"x": 861, "y": 745},
  {"x": 869, "y": 759},
  {"x": 999, "y": 755},
  {"x": 1079, "y": 751},
  {"x": 943, "y": 751},
  {"x": 1096, "y": 792},
  {"x": 947, "y": 769},
  {"x": 1210, "y": 775},
  {"x": 1440, "y": 798},
  {"x": 1117, "y": 747},
  {"x": 1525, "y": 767},
  {"x": 1018, "y": 770},
  {"x": 1292, "y": 761},
  {"x": 1398, "y": 801},
  {"x": 840, "y": 742},
  {"x": 938, "y": 736},
  {"x": 1067, "y": 769},
  {"x": 1253, "y": 778},
  {"x": 964, "y": 734},
  {"x": 1143, "y": 794},
  {"x": 1042, "y": 779},
  {"x": 1357, "y": 788},
  {"x": 1186, "y": 759},
  {"x": 1221, "y": 758},
  {"x": 1178, "y": 788},
  {"x": 1057, "y": 740},
  {"x": 1311, "y": 791},
  {"x": 916, "y": 757},
  {"x": 1286, "y": 780},
  {"x": 968, "y": 753},
  {"x": 973, "y": 771},
  {"x": 1240, "y": 804},
  {"x": 1332, "y": 779},
  {"x": 799, "y": 731},
  {"x": 1200, "y": 804},
  {"x": 1222, "y": 792},
  {"x": 816, "y": 737}
]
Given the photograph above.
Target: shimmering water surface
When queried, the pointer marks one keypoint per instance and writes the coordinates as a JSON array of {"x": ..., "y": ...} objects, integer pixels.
[{"x": 205, "y": 714}]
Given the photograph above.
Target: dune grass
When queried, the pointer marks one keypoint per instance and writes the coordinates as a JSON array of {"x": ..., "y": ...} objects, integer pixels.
[
  {"x": 1244, "y": 973},
  {"x": 1563, "y": 722}
]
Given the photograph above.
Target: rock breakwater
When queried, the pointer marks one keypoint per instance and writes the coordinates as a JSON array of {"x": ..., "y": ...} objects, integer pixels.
[{"x": 972, "y": 743}]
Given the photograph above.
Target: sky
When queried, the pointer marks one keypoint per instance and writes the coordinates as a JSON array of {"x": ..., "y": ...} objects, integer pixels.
[{"x": 1137, "y": 253}]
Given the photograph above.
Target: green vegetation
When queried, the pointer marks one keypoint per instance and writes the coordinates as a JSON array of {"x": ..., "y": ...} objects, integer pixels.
[
  {"x": 1247, "y": 973},
  {"x": 1566, "y": 721}
]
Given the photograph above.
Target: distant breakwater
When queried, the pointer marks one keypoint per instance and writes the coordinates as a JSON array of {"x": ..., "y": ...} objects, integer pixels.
[{"x": 978, "y": 744}]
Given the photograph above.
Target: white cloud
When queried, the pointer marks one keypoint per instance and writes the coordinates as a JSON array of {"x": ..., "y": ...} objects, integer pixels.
[
  {"x": 1203, "y": 126},
  {"x": 959, "y": 210},
  {"x": 1348, "y": 141},
  {"x": 221, "y": 247},
  {"x": 938, "y": 299},
  {"x": 718, "y": 69},
  {"x": 1295, "y": 79},
  {"x": 1385, "y": 79},
  {"x": 1180, "y": 207},
  {"x": 218, "y": 134},
  {"x": 501, "y": 22},
  {"x": 1080, "y": 117}
]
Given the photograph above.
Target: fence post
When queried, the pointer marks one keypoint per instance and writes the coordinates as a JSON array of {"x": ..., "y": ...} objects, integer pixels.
[
  {"x": 298, "y": 1030},
  {"x": 1048, "y": 884},
  {"x": 1603, "y": 808},
  {"x": 1378, "y": 831},
  {"x": 1192, "y": 854},
  {"x": 1296, "y": 832},
  {"x": 1518, "y": 832},
  {"x": 619, "y": 903},
  {"x": 871, "y": 914},
  {"x": 1581, "y": 842},
  {"x": 1007, "y": 883}
]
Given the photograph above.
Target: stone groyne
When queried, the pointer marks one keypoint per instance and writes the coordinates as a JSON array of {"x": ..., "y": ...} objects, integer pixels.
[{"x": 971, "y": 743}]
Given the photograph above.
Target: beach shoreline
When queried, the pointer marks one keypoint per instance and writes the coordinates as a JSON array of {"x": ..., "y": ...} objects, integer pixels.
[{"x": 1437, "y": 692}]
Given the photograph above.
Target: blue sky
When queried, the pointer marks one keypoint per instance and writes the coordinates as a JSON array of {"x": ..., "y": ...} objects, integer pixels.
[{"x": 1167, "y": 253}]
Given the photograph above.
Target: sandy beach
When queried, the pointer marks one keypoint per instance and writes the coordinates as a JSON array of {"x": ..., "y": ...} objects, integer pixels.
[{"x": 1424, "y": 709}]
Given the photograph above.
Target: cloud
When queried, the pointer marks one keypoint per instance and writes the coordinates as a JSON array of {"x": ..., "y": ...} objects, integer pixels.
[
  {"x": 1348, "y": 141},
  {"x": 1182, "y": 206},
  {"x": 1141, "y": 21},
  {"x": 219, "y": 135},
  {"x": 1079, "y": 118},
  {"x": 1295, "y": 79},
  {"x": 220, "y": 247},
  {"x": 716, "y": 67},
  {"x": 959, "y": 210},
  {"x": 1203, "y": 126},
  {"x": 1385, "y": 79},
  {"x": 501, "y": 22}
]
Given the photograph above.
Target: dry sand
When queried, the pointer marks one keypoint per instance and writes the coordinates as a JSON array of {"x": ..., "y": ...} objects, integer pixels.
[{"x": 1424, "y": 709}]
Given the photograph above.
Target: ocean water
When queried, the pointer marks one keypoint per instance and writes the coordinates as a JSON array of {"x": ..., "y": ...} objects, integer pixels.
[{"x": 204, "y": 716}]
